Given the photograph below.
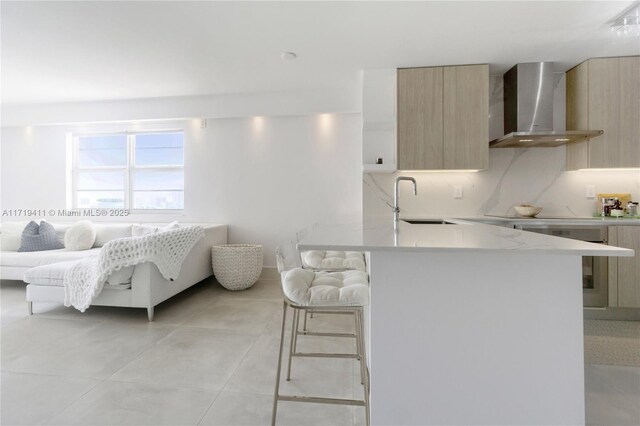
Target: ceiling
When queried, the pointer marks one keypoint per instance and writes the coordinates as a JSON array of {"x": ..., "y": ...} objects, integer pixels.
[{"x": 82, "y": 51}]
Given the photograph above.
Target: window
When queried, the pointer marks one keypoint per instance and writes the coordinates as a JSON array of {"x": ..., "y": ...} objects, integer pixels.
[{"x": 137, "y": 171}]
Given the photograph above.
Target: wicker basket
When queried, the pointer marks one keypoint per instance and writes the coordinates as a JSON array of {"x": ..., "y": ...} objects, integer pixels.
[{"x": 237, "y": 266}]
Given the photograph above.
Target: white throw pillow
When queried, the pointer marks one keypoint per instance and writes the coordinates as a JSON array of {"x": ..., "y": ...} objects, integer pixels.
[
  {"x": 80, "y": 236},
  {"x": 142, "y": 230}
]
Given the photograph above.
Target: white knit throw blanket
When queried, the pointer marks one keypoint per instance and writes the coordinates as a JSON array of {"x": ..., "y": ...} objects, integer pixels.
[{"x": 84, "y": 281}]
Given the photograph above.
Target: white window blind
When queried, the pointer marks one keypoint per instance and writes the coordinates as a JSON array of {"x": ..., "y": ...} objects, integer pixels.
[{"x": 136, "y": 171}]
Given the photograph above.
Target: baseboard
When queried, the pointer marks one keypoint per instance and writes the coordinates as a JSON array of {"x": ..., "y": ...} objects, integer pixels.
[
  {"x": 620, "y": 314},
  {"x": 269, "y": 273}
]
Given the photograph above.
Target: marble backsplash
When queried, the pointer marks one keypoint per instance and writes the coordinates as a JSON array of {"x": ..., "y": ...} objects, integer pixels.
[{"x": 534, "y": 176}]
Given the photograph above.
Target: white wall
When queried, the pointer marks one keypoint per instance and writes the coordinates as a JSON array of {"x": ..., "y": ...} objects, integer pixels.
[
  {"x": 183, "y": 107},
  {"x": 266, "y": 177}
]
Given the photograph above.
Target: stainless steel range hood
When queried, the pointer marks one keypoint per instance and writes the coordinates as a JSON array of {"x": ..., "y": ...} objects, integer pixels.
[{"x": 528, "y": 110}]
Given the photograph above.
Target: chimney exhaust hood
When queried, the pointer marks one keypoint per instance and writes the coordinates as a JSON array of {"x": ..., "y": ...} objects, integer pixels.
[{"x": 528, "y": 110}]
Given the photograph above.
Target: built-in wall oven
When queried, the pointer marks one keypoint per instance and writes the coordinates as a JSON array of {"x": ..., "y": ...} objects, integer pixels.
[{"x": 595, "y": 273}]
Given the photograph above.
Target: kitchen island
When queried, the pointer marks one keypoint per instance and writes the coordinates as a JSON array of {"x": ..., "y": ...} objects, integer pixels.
[{"x": 471, "y": 323}]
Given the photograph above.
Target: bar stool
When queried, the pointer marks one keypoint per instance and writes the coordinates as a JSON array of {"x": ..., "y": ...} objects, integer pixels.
[
  {"x": 324, "y": 260},
  {"x": 327, "y": 292}
]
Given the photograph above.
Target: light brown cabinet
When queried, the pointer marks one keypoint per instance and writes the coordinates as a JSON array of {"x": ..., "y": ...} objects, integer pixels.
[
  {"x": 624, "y": 272},
  {"x": 443, "y": 118},
  {"x": 604, "y": 94}
]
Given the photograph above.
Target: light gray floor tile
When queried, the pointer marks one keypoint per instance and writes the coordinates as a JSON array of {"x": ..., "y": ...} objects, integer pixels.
[
  {"x": 34, "y": 398},
  {"x": 191, "y": 357},
  {"x": 13, "y": 298},
  {"x": 246, "y": 316},
  {"x": 274, "y": 325},
  {"x": 239, "y": 409},
  {"x": 169, "y": 371},
  {"x": 118, "y": 403},
  {"x": 74, "y": 348},
  {"x": 5, "y": 320},
  {"x": 262, "y": 290},
  {"x": 256, "y": 373},
  {"x": 612, "y": 395},
  {"x": 246, "y": 409}
]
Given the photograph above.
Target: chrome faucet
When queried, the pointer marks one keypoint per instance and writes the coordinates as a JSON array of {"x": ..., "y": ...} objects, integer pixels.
[{"x": 396, "y": 207}]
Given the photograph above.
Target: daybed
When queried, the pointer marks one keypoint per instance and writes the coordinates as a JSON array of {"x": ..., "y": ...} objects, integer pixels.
[{"x": 148, "y": 287}]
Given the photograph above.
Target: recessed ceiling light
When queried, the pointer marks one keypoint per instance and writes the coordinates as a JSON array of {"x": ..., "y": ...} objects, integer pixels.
[{"x": 289, "y": 56}]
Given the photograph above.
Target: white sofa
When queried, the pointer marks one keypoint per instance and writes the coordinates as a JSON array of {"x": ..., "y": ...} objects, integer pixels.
[{"x": 148, "y": 287}]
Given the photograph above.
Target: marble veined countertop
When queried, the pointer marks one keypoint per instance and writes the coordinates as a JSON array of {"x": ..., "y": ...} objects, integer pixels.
[{"x": 461, "y": 236}]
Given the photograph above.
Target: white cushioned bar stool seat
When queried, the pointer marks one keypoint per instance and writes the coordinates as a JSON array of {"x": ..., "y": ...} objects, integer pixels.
[
  {"x": 305, "y": 287},
  {"x": 333, "y": 260}
]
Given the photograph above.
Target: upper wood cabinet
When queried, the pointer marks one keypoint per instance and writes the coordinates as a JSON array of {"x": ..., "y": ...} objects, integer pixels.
[
  {"x": 604, "y": 94},
  {"x": 443, "y": 118}
]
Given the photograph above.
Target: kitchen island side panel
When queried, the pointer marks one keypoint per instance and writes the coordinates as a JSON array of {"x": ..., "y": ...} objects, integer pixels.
[{"x": 468, "y": 338}]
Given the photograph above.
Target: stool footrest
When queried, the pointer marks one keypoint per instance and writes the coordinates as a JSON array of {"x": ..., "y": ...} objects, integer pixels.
[
  {"x": 315, "y": 333},
  {"x": 345, "y": 311},
  {"x": 323, "y": 355},
  {"x": 320, "y": 400}
]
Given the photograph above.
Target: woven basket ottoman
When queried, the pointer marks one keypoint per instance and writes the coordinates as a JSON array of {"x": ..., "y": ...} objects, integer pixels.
[{"x": 237, "y": 266}]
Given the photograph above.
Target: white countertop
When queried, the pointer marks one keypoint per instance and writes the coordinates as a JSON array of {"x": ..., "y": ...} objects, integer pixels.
[
  {"x": 535, "y": 221},
  {"x": 462, "y": 236}
]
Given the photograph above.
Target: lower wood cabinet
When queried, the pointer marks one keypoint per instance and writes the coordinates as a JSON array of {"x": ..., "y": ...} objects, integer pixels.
[{"x": 624, "y": 272}]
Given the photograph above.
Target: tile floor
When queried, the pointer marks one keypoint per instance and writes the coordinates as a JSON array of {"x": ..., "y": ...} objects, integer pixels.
[{"x": 209, "y": 358}]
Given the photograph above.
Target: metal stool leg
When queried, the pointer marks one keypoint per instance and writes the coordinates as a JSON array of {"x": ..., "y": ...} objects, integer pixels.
[
  {"x": 294, "y": 333},
  {"x": 304, "y": 324},
  {"x": 277, "y": 390},
  {"x": 359, "y": 347},
  {"x": 295, "y": 340},
  {"x": 363, "y": 362}
]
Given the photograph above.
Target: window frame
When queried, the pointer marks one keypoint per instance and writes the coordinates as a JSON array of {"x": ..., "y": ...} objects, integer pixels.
[{"x": 129, "y": 169}]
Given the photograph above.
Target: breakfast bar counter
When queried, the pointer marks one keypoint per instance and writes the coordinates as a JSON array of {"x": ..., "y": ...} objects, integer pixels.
[{"x": 471, "y": 323}]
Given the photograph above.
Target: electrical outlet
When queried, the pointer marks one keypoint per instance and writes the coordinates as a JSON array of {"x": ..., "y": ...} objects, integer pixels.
[
  {"x": 590, "y": 193},
  {"x": 457, "y": 191}
]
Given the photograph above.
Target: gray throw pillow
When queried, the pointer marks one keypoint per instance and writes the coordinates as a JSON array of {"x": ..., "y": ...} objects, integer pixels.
[{"x": 40, "y": 237}]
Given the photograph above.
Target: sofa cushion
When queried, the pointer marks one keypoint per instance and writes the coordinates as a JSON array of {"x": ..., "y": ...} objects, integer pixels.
[
  {"x": 121, "y": 276},
  {"x": 106, "y": 233},
  {"x": 80, "y": 236},
  {"x": 53, "y": 275},
  {"x": 61, "y": 229},
  {"x": 49, "y": 275},
  {"x": 39, "y": 238},
  {"x": 37, "y": 258},
  {"x": 11, "y": 235}
]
